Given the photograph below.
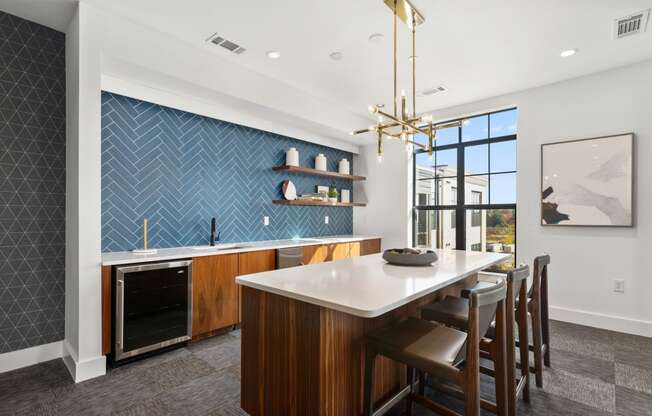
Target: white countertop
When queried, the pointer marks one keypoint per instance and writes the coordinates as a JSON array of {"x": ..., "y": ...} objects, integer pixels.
[
  {"x": 128, "y": 257},
  {"x": 367, "y": 286}
]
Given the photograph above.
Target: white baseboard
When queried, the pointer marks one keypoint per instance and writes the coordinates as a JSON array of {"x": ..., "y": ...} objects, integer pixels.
[
  {"x": 83, "y": 370},
  {"x": 30, "y": 356},
  {"x": 598, "y": 320}
]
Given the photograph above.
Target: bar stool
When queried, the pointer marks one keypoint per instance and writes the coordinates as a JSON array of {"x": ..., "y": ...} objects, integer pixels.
[
  {"x": 437, "y": 350},
  {"x": 538, "y": 308},
  {"x": 449, "y": 311}
]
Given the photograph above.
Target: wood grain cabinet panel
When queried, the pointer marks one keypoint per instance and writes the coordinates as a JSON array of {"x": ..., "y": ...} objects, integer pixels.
[
  {"x": 355, "y": 249},
  {"x": 370, "y": 247},
  {"x": 254, "y": 262},
  {"x": 316, "y": 254},
  {"x": 214, "y": 293},
  {"x": 339, "y": 251}
]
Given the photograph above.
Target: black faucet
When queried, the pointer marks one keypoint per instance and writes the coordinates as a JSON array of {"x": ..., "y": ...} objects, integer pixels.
[{"x": 213, "y": 229}]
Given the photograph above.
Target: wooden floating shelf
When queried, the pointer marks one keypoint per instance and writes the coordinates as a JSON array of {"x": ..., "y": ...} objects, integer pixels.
[
  {"x": 310, "y": 171},
  {"x": 308, "y": 202}
]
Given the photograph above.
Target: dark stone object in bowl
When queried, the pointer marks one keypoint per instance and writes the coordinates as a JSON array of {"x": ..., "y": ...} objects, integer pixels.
[{"x": 410, "y": 257}]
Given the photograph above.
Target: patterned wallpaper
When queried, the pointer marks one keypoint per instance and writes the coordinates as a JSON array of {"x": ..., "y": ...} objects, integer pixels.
[
  {"x": 179, "y": 169},
  {"x": 32, "y": 183}
]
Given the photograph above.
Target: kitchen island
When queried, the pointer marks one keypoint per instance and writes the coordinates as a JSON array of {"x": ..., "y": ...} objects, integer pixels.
[{"x": 303, "y": 328}]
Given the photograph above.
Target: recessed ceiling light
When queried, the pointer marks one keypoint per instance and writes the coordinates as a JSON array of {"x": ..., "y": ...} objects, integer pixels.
[
  {"x": 376, "y": 37},
  {"x": 273, "y": 54},
  {"x": 568, "y": 52},
  {"x": 336, "y": 56}
]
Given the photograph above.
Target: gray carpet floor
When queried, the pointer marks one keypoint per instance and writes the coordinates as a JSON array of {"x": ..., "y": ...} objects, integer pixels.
[{"x": 594, "y": 372}]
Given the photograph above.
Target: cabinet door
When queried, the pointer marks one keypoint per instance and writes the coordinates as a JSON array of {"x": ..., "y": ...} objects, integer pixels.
[
  {"x": 316, "y": 254},
  {"x": 214, "y": 293},
  {"x": 254, "y": 262},
  {"x": 355, "y": 249},
  {"x": 340, "y": 251},
  {"x": 370, "y": 247}
]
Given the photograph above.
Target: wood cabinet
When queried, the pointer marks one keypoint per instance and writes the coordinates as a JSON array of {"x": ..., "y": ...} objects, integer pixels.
[
  {"x": 216, "y": 298},
  {"x": 326, "y": 252},
  {"x": 315, "y": 254},
  {"x": 214, "y": 293},
  {"x": 370, "y": 246},
  {"x": 254, "y": 262}
]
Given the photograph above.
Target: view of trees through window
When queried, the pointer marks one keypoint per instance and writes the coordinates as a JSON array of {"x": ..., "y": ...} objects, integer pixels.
[{"x": 465, "y": 193}]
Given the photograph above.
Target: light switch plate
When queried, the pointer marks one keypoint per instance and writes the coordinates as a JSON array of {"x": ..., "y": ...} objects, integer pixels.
[
  {"x": 326, "y": 219},
  {"x": 266, "y": 220}
]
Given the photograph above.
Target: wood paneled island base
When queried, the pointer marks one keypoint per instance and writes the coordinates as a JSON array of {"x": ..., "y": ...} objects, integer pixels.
[{"x": 302, "y": 359}]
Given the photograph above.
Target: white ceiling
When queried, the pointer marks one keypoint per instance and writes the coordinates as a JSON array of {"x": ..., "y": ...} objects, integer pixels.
[{"x": 476, "y": 48}]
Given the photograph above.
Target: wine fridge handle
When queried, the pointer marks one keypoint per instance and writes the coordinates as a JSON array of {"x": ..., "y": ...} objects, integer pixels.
[{"x": 121, "y": 314}]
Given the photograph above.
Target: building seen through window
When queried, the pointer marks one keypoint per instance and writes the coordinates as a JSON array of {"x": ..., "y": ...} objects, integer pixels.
[{"x": 465, "y": 194}]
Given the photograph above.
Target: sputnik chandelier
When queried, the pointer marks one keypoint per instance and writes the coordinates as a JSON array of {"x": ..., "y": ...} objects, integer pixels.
[{"x": 402, "y": 126}]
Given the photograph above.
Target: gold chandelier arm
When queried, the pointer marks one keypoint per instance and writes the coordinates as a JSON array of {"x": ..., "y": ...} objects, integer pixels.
[
  {"x": 448, "y": 125},
  {"x": 395, "y": 80},
  {"x": 403, "y": 123},
  {"x": 414, "y": 66}
]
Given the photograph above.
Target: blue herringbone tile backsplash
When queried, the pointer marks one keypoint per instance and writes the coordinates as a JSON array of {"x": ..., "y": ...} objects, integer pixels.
[{"x": 180, "y": 169}]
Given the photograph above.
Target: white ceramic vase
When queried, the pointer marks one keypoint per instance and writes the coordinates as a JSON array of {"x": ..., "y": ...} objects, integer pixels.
[
  {"x": 320, "y": 162},
  {"x": 344, "y": 167},
  {"x": 292, "y": 157}
]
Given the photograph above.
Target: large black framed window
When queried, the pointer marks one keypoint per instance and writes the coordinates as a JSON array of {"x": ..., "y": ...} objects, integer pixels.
[{"x": 465, "y": 194}]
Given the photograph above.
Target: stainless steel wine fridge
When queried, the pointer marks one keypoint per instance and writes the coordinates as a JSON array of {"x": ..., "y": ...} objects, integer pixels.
[{"x": 153, "y": 307}]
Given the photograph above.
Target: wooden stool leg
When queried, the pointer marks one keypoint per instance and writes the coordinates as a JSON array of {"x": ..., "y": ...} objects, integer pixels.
[
  {"x": 537, "y": 340},
  {"x": 510, "y": 356},
  {"x": 500, "y": 361},
  {"x": 524, "y": 343},
  {"x": 408, "y": 399},
  {"x": 370, "y": 362},
  {"x": 472, "y": 369},
  {"x": 423, "y": 377},
  {"x": 545, "y": 324}
]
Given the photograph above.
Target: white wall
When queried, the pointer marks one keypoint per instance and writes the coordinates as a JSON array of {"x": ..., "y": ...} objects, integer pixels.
[
  {"x": 388, "y": 192},
  {"x": 584, "y": 260},
  {"x": 83, "y": 342}
]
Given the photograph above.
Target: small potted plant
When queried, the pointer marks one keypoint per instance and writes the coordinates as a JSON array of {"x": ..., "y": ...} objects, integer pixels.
[{"x": 332, "y": 195}]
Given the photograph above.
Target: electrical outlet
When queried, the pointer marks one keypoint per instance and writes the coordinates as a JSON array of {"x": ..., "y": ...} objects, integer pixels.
[
  {"x": 619, "y": 285},
  {"x": 265, "y": 220},
  {"x": 326, "y": 219}
]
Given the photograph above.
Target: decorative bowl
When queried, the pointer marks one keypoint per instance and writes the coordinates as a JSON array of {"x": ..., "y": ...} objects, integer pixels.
[{"x": 410, "y": 257}]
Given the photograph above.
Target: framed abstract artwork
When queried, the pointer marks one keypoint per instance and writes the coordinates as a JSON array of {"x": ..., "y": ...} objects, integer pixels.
[{"x": 588, "y": 182}]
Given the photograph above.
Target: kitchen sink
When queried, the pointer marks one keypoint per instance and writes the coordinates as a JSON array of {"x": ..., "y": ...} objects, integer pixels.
[{"x": 219, "y": 247}]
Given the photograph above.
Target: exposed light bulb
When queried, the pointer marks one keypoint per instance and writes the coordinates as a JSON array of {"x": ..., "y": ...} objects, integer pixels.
[
  {"x": 373, "y": 109},
  {"x": 403, "y": 138},
  {"x": 402, "y": 92},
  {"x": 379, "y": 158},
  {"x": 380, "y": 119},
  {"x": 352, "y": 133}
]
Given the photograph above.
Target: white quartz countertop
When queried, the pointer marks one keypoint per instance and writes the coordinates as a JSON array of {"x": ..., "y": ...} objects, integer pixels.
[
  {"x": 128, "y": 257},
  {"x": 367, "y": 286}
]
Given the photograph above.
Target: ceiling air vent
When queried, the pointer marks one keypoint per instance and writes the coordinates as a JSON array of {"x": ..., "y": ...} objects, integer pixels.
[
  {"x": 226, "y": 44},
  {"x": 432, "y": 91},
  {"x": 631, "y": 25}
]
